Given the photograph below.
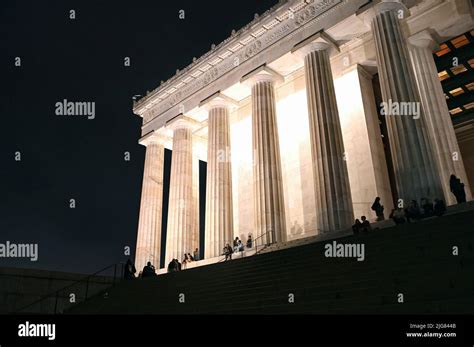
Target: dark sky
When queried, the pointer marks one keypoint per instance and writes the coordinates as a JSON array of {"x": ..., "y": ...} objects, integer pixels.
[{"x": 64, "y": 157}]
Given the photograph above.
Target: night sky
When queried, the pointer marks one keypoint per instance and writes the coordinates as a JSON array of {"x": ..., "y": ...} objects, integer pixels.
[{"x": 70, "y": 157}]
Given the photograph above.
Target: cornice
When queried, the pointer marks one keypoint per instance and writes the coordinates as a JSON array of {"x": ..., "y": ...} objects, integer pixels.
[{"x": 283, "y": 19}]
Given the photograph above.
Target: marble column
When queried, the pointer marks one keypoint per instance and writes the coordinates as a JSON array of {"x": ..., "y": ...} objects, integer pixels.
[
  {"x": 331, "y": 180},
  {"x": 415, "y": 172},
  {"x": 268, "y": 185},
  {"x": 438, "y": 121},
  {"x": 183, "y": 233},
  {"x": 149, "y": 224},
  {"x": 219, "y": 217}
]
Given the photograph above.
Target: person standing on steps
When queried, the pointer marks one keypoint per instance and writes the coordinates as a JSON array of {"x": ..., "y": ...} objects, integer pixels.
[
  {"x": 129, "y": 270},
  {"x": 457, "y": 188},
  {"x": 378, "y": 208},
  {"x": 228, "y": 252}
]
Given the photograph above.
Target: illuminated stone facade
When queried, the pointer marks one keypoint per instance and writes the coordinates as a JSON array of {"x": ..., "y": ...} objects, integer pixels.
[{"x": 285, "y": 113}]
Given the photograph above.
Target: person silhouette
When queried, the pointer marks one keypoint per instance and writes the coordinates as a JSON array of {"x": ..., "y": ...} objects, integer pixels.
[
  {"x": 378, "y": 209},
  {"x": 439, "y": 207},
  {"x": 457, "y": 188},
  {"x": 129, "y": 270},
  {"x": 357, "y": 227},
  {"x": 148, "y": 270}
]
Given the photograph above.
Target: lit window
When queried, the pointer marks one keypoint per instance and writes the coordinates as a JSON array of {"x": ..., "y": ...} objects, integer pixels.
[
  {"x": 460, "y": 41},
  {"x": 456, "y": 92},
  {"x": 471, "y": 62},
  {"x": 443, "y": 49},
  {"x": 470, "y": 86},
  {"x": 455, "y": 111},
  {"x": 443, "y": 75},
  {"x": 458, "y": 69},
  {"x": 469, "y": 106}
]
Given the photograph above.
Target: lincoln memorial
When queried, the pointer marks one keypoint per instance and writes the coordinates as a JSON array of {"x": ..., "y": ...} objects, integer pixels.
[{"x": 302, "y": 117}]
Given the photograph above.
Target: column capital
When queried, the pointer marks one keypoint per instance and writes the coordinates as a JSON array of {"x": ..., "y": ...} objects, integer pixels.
[
  {"x": 384, "y": 6},
  {"x": 183, "y": 122},
  {"x": 218, "y": 100},
  {"x": 155, "y": 137},
  {"x": 261, "y": 74},
  {"x": 317, "y": 42},
  {"x": 423, "y": 39},
  {"x": 391, "y": 5}
]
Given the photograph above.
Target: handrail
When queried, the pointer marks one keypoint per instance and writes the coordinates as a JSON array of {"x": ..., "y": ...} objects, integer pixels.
[
  {"x": 265, "y": 245},
  {"x": 87, "y": 278}
]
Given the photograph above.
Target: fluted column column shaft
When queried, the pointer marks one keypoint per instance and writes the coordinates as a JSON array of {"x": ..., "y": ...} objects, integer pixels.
[
  {"x": 414, "y": 168},
  {"x": 181, "y": 234},
  {"x": 439, "y": 125},
  {"x": 331, "y": 180},
  {"x": 149, "y": 225},
  {"x": 268, "y": 184},
  {"x": 219, "y": 217}
]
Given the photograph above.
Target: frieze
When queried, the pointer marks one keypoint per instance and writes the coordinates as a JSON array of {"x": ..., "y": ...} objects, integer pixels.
[{"x": 311, "y": 10}]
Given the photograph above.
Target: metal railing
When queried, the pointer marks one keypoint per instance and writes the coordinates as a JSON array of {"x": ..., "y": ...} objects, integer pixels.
[
  {"x": 264, "y": 245},
  {"x": 109, "y": 282}
]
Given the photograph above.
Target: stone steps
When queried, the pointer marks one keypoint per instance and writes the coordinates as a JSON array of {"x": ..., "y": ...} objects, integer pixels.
[{"x": 415, "y": 260}]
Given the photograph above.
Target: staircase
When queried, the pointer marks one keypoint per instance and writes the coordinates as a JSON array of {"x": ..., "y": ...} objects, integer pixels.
[{"x": 415, "y": 260}]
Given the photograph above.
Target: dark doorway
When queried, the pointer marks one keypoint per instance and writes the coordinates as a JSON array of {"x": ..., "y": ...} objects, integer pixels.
[
  {"x": 166, "y": 195},
  {"x": 385, "y": 140},
  {"x": 202, "y": 205}
]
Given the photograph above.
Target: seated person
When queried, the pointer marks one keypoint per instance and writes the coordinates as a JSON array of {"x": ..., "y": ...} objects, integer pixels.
[
  {"x": 236, "y": 244},
  {"x": 356, "y": 227},
  {"x": 412, "y": 212},
  {"x": 185, "y": 260},
  {"x": 439, "y": 207},
  {"x": 249, "y": 241},
  {"x": 240, "y": 246},
  {"x": 148, "y": 270},
  {"x": 427, "y": 207},
  {"x": 172, "y": 266},
  {"x": 398, "y": 216},
  {"x": 365, "y": 225},
  {"x": 177, "y": 265}
]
